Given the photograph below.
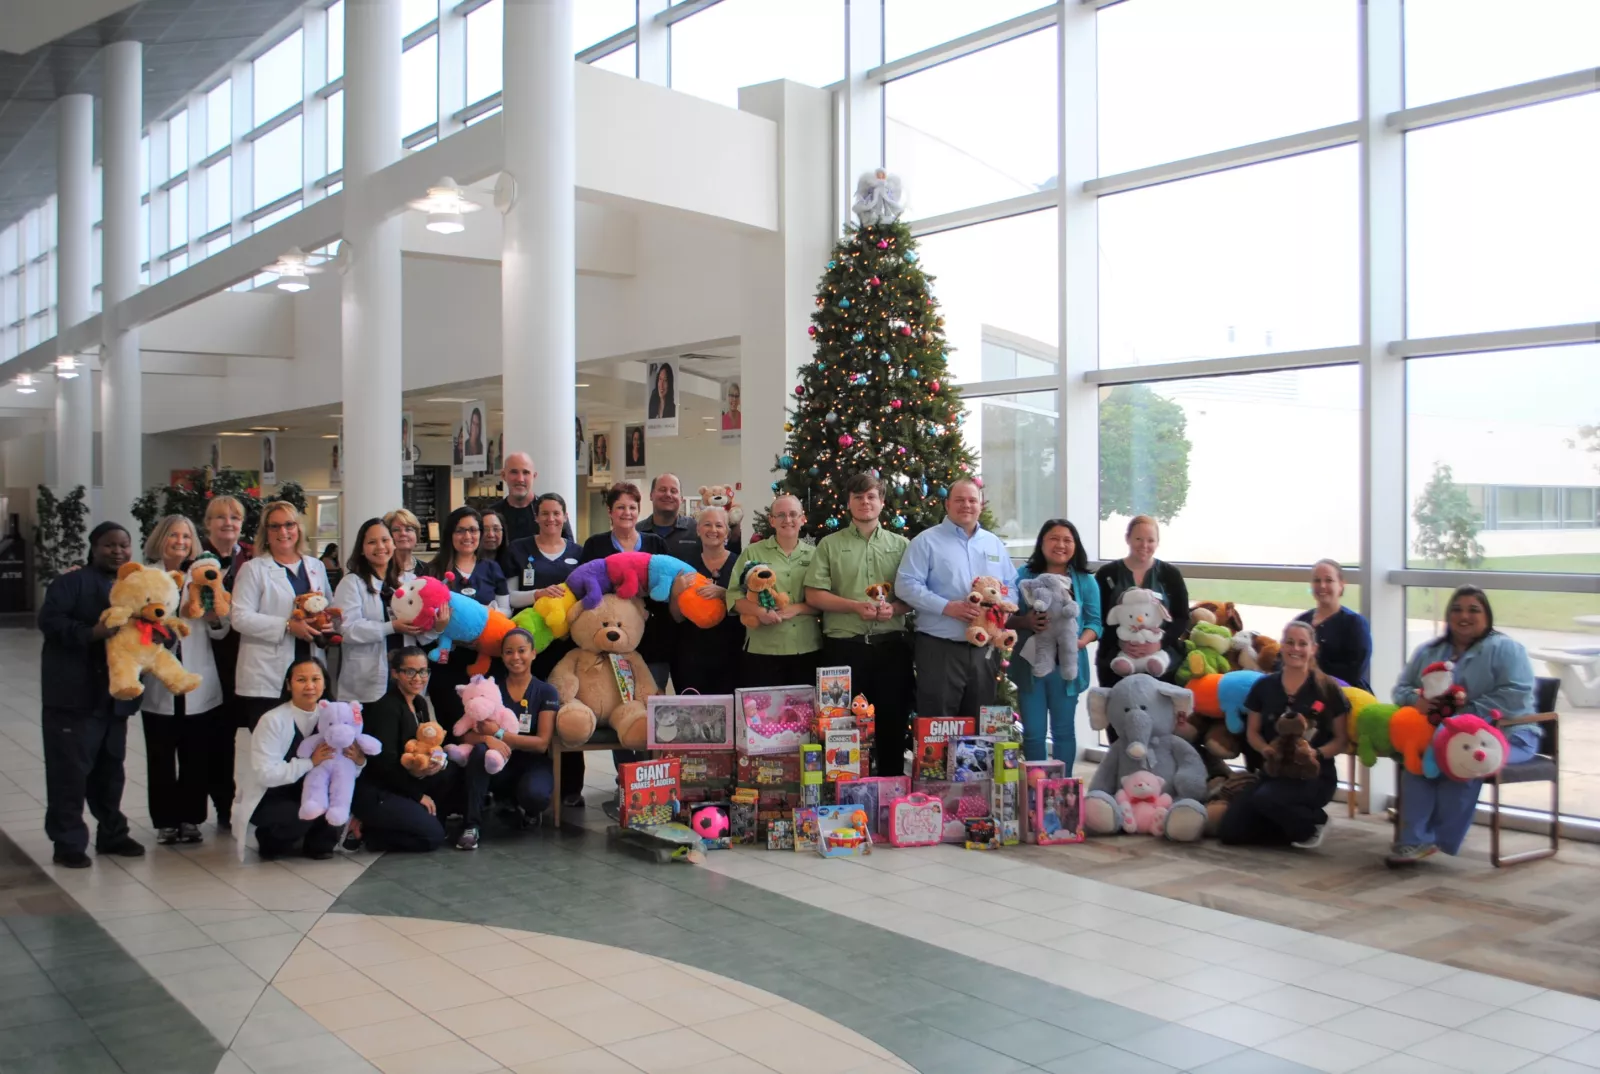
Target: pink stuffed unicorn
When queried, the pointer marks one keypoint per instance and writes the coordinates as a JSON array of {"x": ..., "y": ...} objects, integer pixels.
[
  {"x": 330, "y": 784},
  {"x": 480, "y": 701}
]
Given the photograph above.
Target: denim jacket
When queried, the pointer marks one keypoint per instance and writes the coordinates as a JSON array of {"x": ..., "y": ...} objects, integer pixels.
[{"x": 1496, "y": 674}]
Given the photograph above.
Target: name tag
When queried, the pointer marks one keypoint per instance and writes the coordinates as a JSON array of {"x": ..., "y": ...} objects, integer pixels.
[
  {"x": 527, "y": 578},
  {"x": 570, "y": 561},
  {"x": 991, "y": 557},
  {"x": 469, "y": 592},
  {"x": 525, "y": 720}
]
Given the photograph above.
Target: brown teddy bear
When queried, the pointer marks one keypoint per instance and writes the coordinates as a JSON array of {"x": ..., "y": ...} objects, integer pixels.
[
  {"x": 206, "y": 595},
  {"x": 989, "y": 594},
  {"x": 1290, "y": 756},
  {"x": 1217, "y": 613},
  {"x": 144, "y": 609},
  {"x": 760, "y": 583},
  {"x": 426, "y": 750},
  {"x": 604, "y": 680},
  {"x": 314, "y": 608}
]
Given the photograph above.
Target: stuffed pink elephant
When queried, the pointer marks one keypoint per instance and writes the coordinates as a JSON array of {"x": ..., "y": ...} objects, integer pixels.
[
  {"x": 480, "y": 700},
  {"x": 1143, "y": 803},
  {"x": 330, "y": 784}
]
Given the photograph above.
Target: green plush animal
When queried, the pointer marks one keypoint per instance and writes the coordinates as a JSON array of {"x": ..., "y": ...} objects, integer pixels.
[
  {"x": 1372, "y": 732},
  {"x": 534, "y": 624},
  {"x": 1206, "y": 652}
]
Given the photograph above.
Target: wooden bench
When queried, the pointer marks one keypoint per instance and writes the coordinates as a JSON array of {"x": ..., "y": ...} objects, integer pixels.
[{"x": 604, "y": 739}]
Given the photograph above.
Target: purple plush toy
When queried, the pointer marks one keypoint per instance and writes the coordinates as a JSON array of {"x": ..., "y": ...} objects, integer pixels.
[
  {"x": 330, "y": 784},
  {"x": 589, "y": 583}
]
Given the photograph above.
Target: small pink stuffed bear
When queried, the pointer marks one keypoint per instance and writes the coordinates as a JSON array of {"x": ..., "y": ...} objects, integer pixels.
[
  {"x": 329, "y": 785},
  {"x": 1143, "y": 803},
  {"x": 480, "y": 700}
]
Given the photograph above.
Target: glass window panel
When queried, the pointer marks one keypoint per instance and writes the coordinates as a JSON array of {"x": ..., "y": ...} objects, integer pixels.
[
  {"x": 484, "y": 51},
  {"x": 419, "y": 86},
  {"x": 275, "y": 216},
  {"x": 336, "y": 40},
  {"x": 35, "y": 293},
  {"x": 1177, "y": 79},
  {"x": 96, "y": 267},
  {"x": 336, "y": 132},
  {"x": 979, "y": 304},
  {"x": 144, "y": 232},
  {"x": 1157, "y": 441},
  {"x": 415, "y": 14},
  {"x": 1014, "y": 437},
  {"x": 1579, "y": 507},
  {"x": 277, "y": 163},
  {"x": 1247, "y": 261},
  {"x": 218, "y": 244},
  {"x": 219, "y": 116},
  {"x": 178, "y": 264},
  {"x": 747, "y": 42},
  {"x": 975, "y": 130},
  {"x": 144, "y": 165},
  {"x": 275, "y": 79},
  {"x": 1502, "y": 220},
  {"x": 178, "y": 216},
  {"x": 219, "y": 193},
  {"x": 178, "y": 143},
  {"x": 1526, "y": 440},
  {"x": 595, "y": 20},
  {"x": 1457, "y": 47},
  {"x": 913, "y": 25},
  {"x": 624, "y": 61},
  {"x": 96, "y": 195}
]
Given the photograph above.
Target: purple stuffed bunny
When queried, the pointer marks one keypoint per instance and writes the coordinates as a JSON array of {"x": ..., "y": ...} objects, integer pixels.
[
  {"x": 589, "y": 583},
  {"x": 330, "y": 784}
]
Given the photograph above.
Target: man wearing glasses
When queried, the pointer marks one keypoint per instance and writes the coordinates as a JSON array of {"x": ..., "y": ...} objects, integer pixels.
[
  {"x": 782, "y": 649},
  {"x": 863, "y": 622},
  {"x": 404, "y": 810}
]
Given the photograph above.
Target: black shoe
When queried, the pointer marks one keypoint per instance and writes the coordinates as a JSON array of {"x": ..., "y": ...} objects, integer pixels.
[
  {"x": 319, "y": 855},
  {"x": 124, "y": 846},
  {"x": 573, "y": 801},
  {"x": 166, "y": 837},
  {"x": 468, "y": 839},
  {"x": 224, "y": 817},
  {"x": 190, "y": 833},
  {"x": 611, "y": 809},
  {"x": 352, "y": 842},
  {"x": 71, "y": 859}
]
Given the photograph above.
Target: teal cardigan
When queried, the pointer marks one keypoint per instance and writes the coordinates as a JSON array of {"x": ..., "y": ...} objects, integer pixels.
[{"x": 1086, "y": 591}]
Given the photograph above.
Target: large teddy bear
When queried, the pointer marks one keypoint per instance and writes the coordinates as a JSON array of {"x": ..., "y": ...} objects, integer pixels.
[
  {"x": 1144, "y": 713},
  {"x": 1055, "y": 648},
  {"x": 604, "y": 681},
  {"x": 722, "y": 496},
  {"x": 330, "y": 784},
  {"x": 144, "y": 609}
]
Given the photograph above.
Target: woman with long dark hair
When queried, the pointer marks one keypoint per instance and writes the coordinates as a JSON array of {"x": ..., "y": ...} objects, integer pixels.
[
  {"x": 1051, "y": 701},
  {"x": 663, "y": 397},
  {"x": 1494, "y": 670},
  {"x": 278, "y": 772},
  {"x": 363, "y": 601},
  {"x": 459, "y": 566}
]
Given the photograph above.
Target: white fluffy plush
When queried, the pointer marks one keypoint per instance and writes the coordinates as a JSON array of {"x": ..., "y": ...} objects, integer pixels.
[{"x": 879, "y": 199}]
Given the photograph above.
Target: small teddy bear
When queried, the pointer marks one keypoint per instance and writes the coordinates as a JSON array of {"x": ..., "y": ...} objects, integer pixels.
[
  {"x": 313, "y": 608},
  {"x": 205, "y": 595},
  {"x": 480, "y": 701},
  {"x": 1290, "y": 755},
  {"x": 989, "y": 594},
  {"x": 760, "y": 584},
  {"x": 1440, "y": 687},
  {"x": 722, "y": 496},
  {"x": 1144, "y": 803},
  {"x": 426, "y": 750}
]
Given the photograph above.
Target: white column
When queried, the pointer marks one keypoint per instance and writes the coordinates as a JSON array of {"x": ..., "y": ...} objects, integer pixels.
[
  {"x": 1383, "y": 376},
  {"x": 655, "y": 44},
  {"x": 538, "y": 265},
  {"x": 121, "y": 389},
  {"x": 74, "y": 206},
  {"x": 370, "y": 312},
  {"x": 863, "y": 100}
]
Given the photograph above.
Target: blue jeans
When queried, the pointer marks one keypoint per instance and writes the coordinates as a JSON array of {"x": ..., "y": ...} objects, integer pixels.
[
  {"x": 1440, "y": 811},
  {"x": 1049, "y": 698}
]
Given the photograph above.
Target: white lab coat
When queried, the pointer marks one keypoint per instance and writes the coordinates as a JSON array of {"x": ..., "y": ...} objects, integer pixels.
[
  {"x": 262, "y": 602},
  {"x": 259, "y": 764},
  {"x": 364, "y": 664},
  {"x": 195, "y": 653}
]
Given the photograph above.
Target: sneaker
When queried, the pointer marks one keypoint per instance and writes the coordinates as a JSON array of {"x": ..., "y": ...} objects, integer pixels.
[
  {"x": 572, "y": 801},
  {"x": 319, "y": 855},
  {"x": 190, "y": 833},
  {"x": 165, "y": 837},
  {"x": 1410, "y": 853},
  {"x": 352, "y": 841},
  {"x": 72, "y": 859},
  {"x": 1314, "y": 841},
  {"x": 468, "y": 839},
  {"x": 124, "y": 846}
]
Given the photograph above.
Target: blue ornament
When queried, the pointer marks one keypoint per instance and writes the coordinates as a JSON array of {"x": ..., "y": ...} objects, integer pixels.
[
  {"x": 776, "y": 486},
  {"x": 833, "y": 264},
  {"x": 785, "y": 461},
  {"x": 914, "y": 373},
  {"x": 883, "y": 356},
  {"x": 899, "y": 522},
  {"x": 813, "y": 471},
  {"x": 943, "y": 492},
  {"x": 833, "y": 523},
  {"x": 924, "y": 488},
  {"x": 911, "y": 257},
  {"x": 844, "y": 303},
  {"x": 858, "y": 337}
]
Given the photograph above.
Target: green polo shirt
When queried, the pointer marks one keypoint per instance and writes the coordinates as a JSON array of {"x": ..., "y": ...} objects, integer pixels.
[
  {"x": 845, "y": 564},
  {"x": 792, "y": 636}
]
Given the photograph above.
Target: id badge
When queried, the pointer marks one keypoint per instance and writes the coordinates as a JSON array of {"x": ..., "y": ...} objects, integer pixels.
[
  {"x": 524, "y": 721},
  {"x": 528, "y": 579},
  {"x": 469, "y": 592}
]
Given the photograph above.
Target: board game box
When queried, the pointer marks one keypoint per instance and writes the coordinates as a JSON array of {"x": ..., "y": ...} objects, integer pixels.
[
  {"x": 649, "y": 792},
  {"x": 933, "y": 736}
]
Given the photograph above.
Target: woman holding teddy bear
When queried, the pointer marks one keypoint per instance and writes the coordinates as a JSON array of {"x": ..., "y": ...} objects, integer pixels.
[{"x": 1051, "y": 701}]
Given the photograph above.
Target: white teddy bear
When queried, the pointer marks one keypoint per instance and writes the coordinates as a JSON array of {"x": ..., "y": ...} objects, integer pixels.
[{"x": 1138, "y": 617}]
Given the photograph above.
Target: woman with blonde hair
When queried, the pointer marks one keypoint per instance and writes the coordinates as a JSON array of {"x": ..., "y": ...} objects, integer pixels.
[
  {"x": 177, "y": 730},
  {"x": 406, "y": 531},
  {"x": 1141, "y": 569},
  {"x": 223, "y": 526},
  {"x": 270, "y": 638}
]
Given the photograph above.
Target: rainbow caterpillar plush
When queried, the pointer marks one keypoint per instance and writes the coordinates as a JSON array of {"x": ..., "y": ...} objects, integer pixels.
[
  {"x": 1463, "y": 747},
  {"x": 475, "y": 625},
  {"x": 630, "y": 575}
]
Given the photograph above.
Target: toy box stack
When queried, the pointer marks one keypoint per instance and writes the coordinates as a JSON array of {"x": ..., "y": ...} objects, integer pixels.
[
  {"x": 837, "y": 713},
  {"x": 778, "y": 765},
  {"x": 699, "y": 732}
]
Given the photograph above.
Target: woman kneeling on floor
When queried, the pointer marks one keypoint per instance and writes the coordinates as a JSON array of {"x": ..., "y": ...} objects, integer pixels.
[
  {"x": 523, "y": 787},
  {"x": 1282, "y": 808},
  {"x": 279, "y": 773},
  {"x": 404, "y": 810}
]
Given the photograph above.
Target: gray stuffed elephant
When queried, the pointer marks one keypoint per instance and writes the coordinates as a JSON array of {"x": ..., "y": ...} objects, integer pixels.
[
  {"x": 1054, "y": 649},
  {"x": 1144, "y": 713}
]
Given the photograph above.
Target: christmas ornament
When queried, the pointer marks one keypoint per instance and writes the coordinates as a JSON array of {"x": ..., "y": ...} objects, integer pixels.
[
  {"x": 910, "y": 256},
  {"x": 833, "y": 523},
  {"x": 785, "y": 461},
  {"x": 895, "y": 403},
  {"x": 858, "y": 337},
  {"x": 844, "y": 303},
  {"x": 799, "y": 389},
  {"x": 831, "y": 417},
  {"x": 776, "y": 486},
  {"x": 883, "y": 356},
  {"x": 883, "y": 244},
  {"x": 905, "y": 330},
  {"x": 934, "y": 385},
  {"x": 978, "y": 481},
  {"x": 942, "y": 491},
  {"x": 788, "y": 426},
  {"x": 914, "y": 373},
  {"x": 899, "y": 522},
  {"x": 812, "y": 331},
  {"x": 833, "y": 264},
  {"x": 874, "y": 282},
  {"x": 812, "y": 471},
  {"x": 846, "y": 440}
]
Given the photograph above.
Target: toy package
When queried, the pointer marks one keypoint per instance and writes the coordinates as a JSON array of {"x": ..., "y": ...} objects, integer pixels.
[
  {"x": 1054, "y": 813},
  {"x": 842, "y": 756},
  {"x": 998, "y": 722},
  {"x": 805, "y": 829},
  {"x": 1032, "y": 773},
  {"x": 649, "y": 793},
  {"x": 780, "y": 835},
  {"x": 812, "y": 771},
  {"x": 703, "y": 769},
  {"x": 774, "y": 720},
  {"x": 981, "y": 834},
  {"x": 842, "y": 832},
  {"x": 713, "y": 825},
  {"x": 916, "y": 820},
  {"x": 689, "y": 721},
  {"x": 961, "y": 801},
  {"x": 833, "y": 691},
  {"x": 874, "y": 795},
  {"x": 775, "y": 770},
  {"x": 933, "y": 736},
  {"x": 866, "y": 718},
  {"x": 1007, "y": 804},
  {"x": 742, "y": 823},
  {"x": 970, "y": 758}
]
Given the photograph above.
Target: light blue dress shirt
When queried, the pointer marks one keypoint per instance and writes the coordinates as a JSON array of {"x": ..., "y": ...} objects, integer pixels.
[{"x": 939, "y": 567}]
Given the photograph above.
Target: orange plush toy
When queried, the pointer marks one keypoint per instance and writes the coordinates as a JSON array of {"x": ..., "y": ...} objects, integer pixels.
[
  {"x": 144, "y": 611},
  {"x": 426, "y": 750},
  {"x": 1411, "y": 733},
  {"x": 206, "y": 595}
]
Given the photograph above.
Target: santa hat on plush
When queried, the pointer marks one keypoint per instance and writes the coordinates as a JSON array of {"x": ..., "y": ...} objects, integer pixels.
[{"x": 1437, "y": 678}]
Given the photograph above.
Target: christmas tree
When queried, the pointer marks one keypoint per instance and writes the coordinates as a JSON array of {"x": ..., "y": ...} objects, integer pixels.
[{"x": 877, "y": 397}]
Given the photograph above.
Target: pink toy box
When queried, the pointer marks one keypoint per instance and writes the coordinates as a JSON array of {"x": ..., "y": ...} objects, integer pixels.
[
  {"x": 916, "y": 820},
  {"x": 1055, "y": 813},
  {"x": 962, "y": 801},
  {"x": 774, "y": 720},
  {"x": 1033, "y": 772}
]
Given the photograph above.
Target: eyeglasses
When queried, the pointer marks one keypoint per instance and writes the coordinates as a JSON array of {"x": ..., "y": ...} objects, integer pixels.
[
  {"x": 474, "y": 531},
  {"x": 413, "y": 673},
  {"x": 279, "y": 527},
  {"x": 787, "y": 516}
]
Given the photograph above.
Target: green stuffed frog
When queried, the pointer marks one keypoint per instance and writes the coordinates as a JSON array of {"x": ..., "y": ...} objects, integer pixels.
[{"x": 1206, "y": 652}]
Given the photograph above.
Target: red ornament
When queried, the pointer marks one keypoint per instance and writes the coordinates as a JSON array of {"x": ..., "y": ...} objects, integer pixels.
[
  {"x": 978, "y": 481},
  {"x": 846, "y": 440},
  {"x": 935, "y": 385},
  {"x": 905, "y": 330},
  {"x": 874, "y": 282},
  {"x": 883, "y": 244},
  {"x": 895, "y": 403},
  {"x": 812, "y": 331},
  {"x": 799, "y": 389}
]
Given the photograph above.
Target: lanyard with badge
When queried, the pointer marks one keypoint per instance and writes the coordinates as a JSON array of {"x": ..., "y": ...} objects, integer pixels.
[{"x": 524, "y": 717}]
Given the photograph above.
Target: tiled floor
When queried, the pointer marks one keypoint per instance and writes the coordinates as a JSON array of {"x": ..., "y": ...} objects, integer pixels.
[{"x": 548, "y": 952}]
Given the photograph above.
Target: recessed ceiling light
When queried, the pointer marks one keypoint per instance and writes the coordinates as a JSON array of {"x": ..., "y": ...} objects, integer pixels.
[
  {"x": 24, "y": 384},
  {"x": 236, "y": 434},
  {"x": 330, "y": 436},
  {"x": 269, "y": 428},
  {"x": 447, "y": 399}
]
